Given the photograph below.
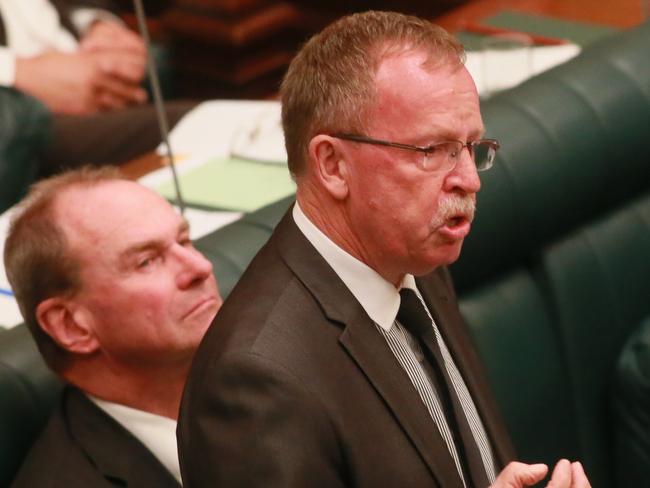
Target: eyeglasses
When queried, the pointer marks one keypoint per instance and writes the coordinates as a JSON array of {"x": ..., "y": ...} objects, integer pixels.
[{"x": 442, "y": 156}]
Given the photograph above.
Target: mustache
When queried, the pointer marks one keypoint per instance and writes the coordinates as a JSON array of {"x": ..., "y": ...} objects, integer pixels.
[{"x": 455, "y": 206}]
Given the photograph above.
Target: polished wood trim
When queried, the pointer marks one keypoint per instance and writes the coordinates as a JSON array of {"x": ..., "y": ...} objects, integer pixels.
[
  {"x": 613, "y": 13},
  {"x": 143, "y": 165}
]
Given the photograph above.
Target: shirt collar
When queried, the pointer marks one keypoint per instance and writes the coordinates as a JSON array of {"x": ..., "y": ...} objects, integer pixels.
[
  {"x": 157, "y": 433},
  {"x": 378, "y": 297}
]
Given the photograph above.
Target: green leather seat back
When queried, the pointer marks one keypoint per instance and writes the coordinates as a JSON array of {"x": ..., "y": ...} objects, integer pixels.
[
  {"x": 232, "y": 248},
  {"x": 598, "y": 281},
  {"x": 574, "y": 144},
  {"x": 514, "y": 333},
  {"x": 25, "y": 126},
  {"x": 631, "y": 404},
  {"x": 28, "y": 391}
]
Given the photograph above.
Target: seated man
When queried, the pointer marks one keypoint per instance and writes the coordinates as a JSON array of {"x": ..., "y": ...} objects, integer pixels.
[
  {"x": 117, "y": 299},
  {"x": 87, "y": 68}
]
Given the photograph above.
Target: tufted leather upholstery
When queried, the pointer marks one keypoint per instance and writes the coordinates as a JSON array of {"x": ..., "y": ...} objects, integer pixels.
[
  {"x": 24, "y": 132},
  {"x": 631, "y": 402},
  {"x": 574, "y": 144}
]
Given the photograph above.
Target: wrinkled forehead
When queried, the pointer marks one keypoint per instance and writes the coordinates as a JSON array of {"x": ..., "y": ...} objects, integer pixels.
[
  {"x": 408, "y": 88},
  {"x": 108, "y": 212}
]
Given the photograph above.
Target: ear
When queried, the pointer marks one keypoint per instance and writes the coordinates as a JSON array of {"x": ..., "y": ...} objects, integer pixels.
[
  {"x": 330, "y": 165},
  {"x": 67, "y": 324}
]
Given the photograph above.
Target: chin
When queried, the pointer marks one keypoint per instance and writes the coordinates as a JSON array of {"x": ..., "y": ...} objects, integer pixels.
[{"x": 444, "y": 255}]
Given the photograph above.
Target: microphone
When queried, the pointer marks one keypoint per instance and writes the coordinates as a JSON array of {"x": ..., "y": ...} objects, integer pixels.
[{"x": 158, "y": 101}]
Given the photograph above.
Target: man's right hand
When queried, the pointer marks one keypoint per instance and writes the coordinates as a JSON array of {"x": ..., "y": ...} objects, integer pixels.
[
  {"x": 565, "y": 475},
  {"x": 82, "y": 82}
]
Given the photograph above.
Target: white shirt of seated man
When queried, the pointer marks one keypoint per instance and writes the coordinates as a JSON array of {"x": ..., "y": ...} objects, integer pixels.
[{"x": 157, "y": 433}]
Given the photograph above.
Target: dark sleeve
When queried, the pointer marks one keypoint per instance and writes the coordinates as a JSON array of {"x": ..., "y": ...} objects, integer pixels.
[
  {"x": 248, "y": 423},
  {"x": 151, "y": 7}
]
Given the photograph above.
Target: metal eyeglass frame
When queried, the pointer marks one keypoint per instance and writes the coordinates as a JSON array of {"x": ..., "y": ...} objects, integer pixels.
[{"x": 493, "y": 147}]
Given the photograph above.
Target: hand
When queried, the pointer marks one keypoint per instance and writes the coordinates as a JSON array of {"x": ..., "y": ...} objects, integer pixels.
[
  {"x": 80, "y": 83},
  {"x": 518, "y": 475},
  {"x": 568, "y": 475},
  {"x": 104, "y": 35},
  {"x": 124, "y": 46},
  {"x": 565, "y": 475}
]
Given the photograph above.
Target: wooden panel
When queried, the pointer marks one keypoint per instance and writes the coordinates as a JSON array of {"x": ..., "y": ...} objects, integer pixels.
[{"x": 615, "y": 13}]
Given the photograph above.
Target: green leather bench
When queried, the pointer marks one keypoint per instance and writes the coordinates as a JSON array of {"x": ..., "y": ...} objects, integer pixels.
[
  {"x": 553, "y": 278},
  {"x": 550, "y": 333},
  {"x": 27, "y": 392},
  {"x": 631, "y": 405},
  {"x": 25, "y": 126}
]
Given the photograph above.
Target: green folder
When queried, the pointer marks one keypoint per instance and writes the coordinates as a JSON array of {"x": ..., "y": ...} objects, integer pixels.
[{"x": 233, "y": 184}]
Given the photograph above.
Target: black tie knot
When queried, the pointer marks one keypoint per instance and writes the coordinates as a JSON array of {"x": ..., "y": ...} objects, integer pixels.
[{"x": 411, "y": 313}]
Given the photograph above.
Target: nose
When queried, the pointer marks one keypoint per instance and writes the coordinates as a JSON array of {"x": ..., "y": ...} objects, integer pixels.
[
  {"x": 464, "y": 177},
  {"x": 194, "y": 268}
]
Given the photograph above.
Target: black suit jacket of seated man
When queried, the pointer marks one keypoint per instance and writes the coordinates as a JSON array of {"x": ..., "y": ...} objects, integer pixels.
[{"x": 82, "y": 446}]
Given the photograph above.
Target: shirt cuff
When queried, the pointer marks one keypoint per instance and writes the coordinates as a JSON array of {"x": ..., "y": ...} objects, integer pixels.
[
  {"x": 7, "y": 67},
  {"x": 83, "y": 18}
]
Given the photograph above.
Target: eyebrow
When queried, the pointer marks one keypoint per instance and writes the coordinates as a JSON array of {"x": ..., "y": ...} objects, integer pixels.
[
  {"x": 183, "y": 227},
  {"x": 442, "y": 134}
]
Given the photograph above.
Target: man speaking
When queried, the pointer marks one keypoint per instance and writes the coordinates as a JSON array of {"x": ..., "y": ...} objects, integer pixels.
[{"x": 341, "y": 358}]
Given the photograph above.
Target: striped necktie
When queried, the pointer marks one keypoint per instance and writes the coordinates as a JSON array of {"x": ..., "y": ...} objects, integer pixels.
[{"x": 413, "y": 316}]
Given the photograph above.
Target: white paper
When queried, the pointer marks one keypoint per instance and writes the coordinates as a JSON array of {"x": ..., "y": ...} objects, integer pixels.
[
  {"x": 9, "y": 313},
  {"x": 221, "y": 128},
  {"x": 216, "y": 128},
  {"x": 495, "y": 70},
  {"x": 204, "y": 222}
]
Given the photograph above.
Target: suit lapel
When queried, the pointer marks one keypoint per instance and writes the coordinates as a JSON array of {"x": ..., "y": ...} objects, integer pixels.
[
  {"x": 368, "y": 349},
  {"x": 115, "y": 452},
  {"x": 439, "y": 298},
  {"x": 373, "y": 356}
]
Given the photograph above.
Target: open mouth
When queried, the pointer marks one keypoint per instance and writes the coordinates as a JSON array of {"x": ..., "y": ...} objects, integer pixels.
[
  {"x": 456, "y": 227},
  {"x": 455, "y": 221}
]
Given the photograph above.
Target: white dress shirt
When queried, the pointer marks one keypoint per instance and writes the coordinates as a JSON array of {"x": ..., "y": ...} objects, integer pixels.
[
  {"x": 33, "y": 27},
  {"x": 378, "y": 297},
  {"x": 157, "y": 433}
]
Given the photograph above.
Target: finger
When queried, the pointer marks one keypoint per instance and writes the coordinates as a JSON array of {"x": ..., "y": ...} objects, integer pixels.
[
  {"x": 110, "y": 35},
  {"x": 108, "y": 101},
  {"x": 578, "y": 476},
  {"x": 130, "y": 93},
  {"x": 132, "y": 41},
  {"x": 518, "y": 475},
  {"x": 122, "y": 65},
  {"x": 561, "y": 477}
]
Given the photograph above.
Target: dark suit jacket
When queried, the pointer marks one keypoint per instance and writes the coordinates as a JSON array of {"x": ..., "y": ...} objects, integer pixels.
[
  {"x": 84, "y": 447},
  {"x": 293, "y": 386}
]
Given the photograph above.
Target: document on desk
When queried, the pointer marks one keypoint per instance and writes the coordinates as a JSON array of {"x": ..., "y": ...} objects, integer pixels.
[
  {"x": 495, "y": 70},
  {"x": 226, "y": 127},
  {"x": 230, "y": 156},
  {"x": 9, "y": 312},
  {"x": 204, "y": 222},
  {"x": 232, "y": 184}
]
